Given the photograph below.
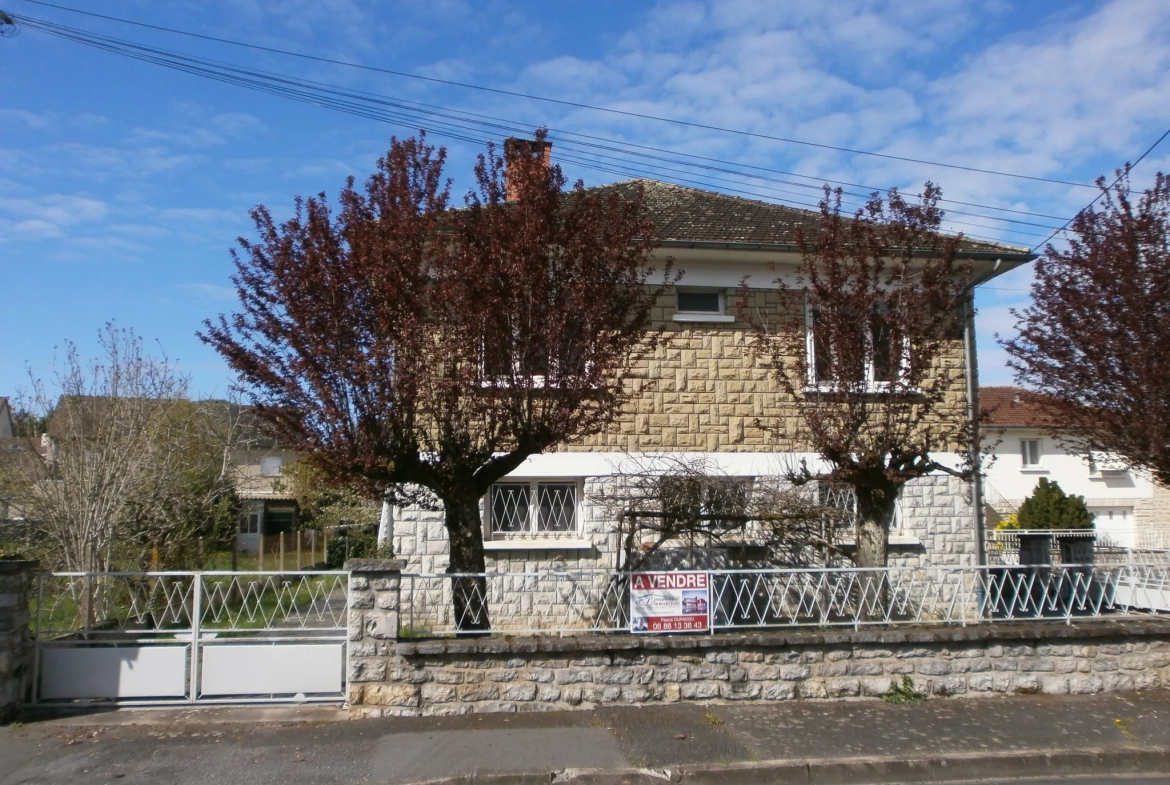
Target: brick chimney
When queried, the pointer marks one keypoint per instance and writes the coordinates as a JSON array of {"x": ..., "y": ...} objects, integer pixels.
[{"x": 514, "y": 149}]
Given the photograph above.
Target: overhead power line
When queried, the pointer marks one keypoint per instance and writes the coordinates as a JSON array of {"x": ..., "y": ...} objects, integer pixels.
[
  {"x": 1097, "y": 198},
  {"x": 559, "y": 101},
  {"x": 458, "y": 123}
]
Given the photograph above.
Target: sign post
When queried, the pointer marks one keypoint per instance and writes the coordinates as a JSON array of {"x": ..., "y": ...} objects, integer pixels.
[{"x": 670, "y": 602}]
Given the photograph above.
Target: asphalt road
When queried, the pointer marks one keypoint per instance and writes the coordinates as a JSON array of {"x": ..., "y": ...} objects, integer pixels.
[{"x": 313, "y": 746}]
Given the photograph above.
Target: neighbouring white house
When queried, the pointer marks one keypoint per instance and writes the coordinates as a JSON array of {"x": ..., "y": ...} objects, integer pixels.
[{"x": 1130, "y": 509}]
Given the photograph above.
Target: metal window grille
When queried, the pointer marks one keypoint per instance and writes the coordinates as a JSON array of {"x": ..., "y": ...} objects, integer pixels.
[
  {"x": 510, "y": 507},
  {"x": 558, "y": 507}
]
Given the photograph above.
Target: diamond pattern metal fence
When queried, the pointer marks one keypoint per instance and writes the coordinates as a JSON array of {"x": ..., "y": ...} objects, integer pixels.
[
  {"x": 143, "y": 605},
  {"x": 577, "y": 602}
]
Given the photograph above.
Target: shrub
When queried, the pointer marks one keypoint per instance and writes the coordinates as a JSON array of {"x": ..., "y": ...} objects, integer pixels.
[
  {"x": 1049, "y": 507},
  {"x": 356, "y": 543}
]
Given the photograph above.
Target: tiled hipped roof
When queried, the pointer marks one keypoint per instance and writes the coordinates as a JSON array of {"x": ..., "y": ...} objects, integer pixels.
[
  {"x": 1013, "y": 407},
  {"x": 690, "y": 214}
]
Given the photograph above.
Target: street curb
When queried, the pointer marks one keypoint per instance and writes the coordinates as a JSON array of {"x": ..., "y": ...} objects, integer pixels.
[{"x": 850, "y": 771}]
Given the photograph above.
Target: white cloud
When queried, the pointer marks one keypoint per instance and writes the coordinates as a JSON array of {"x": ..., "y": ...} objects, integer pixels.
[{"x": 47, "y": 216}]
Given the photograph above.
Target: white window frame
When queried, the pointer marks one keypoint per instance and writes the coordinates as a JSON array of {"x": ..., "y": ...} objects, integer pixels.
[
  {"x": 267, "y": 459},
  {"x": 1027, "y": 465},
  {"x": 533, "y": 530},
  {"x": 871, "y": 385},
  {"x": 720, "y": 316}
]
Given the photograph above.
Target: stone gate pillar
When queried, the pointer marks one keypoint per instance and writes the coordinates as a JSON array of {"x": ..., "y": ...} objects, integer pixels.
[
  {"x": 16, "y": 582},
  {"x": 373, "y": 622}
]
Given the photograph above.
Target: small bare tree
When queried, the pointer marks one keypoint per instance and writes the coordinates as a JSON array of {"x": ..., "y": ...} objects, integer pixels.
[
  {"x": 862, "y": 349},
  {"x": 128, "y": 469}
]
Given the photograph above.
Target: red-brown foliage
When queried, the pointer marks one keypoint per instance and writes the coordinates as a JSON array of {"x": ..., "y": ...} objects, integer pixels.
[
  {"x": 859, "y": 348},
  {"x": 402, "y": 342},
  {"x": 1094, "y": 343}
]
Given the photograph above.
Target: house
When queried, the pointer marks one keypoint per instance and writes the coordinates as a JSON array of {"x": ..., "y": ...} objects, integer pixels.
[
  {"x": 705, "y": 397},
  {"x": 1130, "y": 510},
  {"x": 267, "y": 503},
  {"x": 258, "y": 469}
]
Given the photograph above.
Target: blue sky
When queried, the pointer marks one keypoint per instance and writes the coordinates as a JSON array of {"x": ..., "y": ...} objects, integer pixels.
[{"x": 123, "y": 185}]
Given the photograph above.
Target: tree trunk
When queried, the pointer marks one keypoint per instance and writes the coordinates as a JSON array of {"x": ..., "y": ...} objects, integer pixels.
[
  {"x": 465, "y": 534},
  {"x": 875, "y": 514}
]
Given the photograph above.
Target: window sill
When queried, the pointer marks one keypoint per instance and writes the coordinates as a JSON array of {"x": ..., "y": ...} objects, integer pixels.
[
  {"x": 538, "y": 544},
  {"x": 719, "y": 318},
  {"x": 895, "y": 541},
  {"x": 1035, "y": 470},
  {"x": 881, "y": 388}
]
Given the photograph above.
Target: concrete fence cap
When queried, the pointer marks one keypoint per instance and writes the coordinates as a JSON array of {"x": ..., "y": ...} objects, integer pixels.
[{"x": 374, "y": 565}]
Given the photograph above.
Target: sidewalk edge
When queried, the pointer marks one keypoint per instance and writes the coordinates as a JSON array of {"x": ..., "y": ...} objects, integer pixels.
[{"x": 874, "y": 770}]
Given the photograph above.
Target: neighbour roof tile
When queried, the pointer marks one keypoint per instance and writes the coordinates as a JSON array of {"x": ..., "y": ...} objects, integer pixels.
[{"x": 1014, "y": 407}]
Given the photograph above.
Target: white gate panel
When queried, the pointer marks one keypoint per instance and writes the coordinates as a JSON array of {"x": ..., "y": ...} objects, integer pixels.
[
  {"x": 113, "y": 672},
  {"x": 272, "y": 669},
  {"x": 1134, "y": 595}
]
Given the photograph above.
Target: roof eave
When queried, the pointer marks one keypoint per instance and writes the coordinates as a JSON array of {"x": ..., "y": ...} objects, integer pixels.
[{"x": 1014, "y": 258}]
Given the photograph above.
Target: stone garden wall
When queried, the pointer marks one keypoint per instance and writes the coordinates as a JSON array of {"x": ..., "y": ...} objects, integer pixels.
[
  {"x": 16, "y": 577},
  {"x": 502, "y": 674}
]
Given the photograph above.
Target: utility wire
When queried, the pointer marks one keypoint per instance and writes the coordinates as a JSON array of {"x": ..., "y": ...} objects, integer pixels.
[
  {"x": 254, "y": 79},
  {"x": 241, "y": 77},
  {"x": 561, "y": 102},
  {"x": 1128, "y": 168}
]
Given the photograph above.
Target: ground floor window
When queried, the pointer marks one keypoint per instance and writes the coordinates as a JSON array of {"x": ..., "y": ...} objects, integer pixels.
[{"x": 533, "y": 507}]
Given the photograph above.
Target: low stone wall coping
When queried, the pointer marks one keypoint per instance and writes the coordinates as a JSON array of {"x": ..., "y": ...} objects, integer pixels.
[
  {"x": 999, "y": 631},
  {"x": 374, "y": 565}
]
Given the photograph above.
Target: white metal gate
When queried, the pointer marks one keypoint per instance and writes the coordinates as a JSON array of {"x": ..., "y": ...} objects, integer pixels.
[{"x": 190, "y": 637}]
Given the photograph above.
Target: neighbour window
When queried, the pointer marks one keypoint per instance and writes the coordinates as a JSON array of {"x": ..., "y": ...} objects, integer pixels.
[
  {"x": 250, "y": 523},
  {"x": 877, "y": 366},
  {"x": 270, "y": 466},
  {"x": 1030, "y": 453},
  {"x": 533, "y": 506}
]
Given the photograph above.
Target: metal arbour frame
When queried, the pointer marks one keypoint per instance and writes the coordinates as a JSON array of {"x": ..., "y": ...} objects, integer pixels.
[
  {"x": 576, "y": 602},
  {"x": 165, "y": 638}
]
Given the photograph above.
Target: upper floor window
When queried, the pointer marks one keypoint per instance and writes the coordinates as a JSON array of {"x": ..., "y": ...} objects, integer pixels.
[
  {"x": 874, "y": 359},
  {"x": 1030, "y": 453},
  {"x": 533, "y": 507},
  {"x": 702, "y": 305},
  {"x": 270, "y": 465}
]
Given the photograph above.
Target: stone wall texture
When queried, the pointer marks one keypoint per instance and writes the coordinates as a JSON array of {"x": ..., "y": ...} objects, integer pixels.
[
  {"x": 443, "y": 677},
  {"x": 16, "y": 578},
  {"x": 934, "y": 511},
  {"x": 705, "y": 388}
]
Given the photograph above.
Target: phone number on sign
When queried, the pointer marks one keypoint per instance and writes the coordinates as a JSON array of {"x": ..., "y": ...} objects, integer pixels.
[{"x": 679, "y": 624}]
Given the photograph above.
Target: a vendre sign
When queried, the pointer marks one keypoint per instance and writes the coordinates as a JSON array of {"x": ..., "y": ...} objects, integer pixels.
[{"x": 670, "y": 602}]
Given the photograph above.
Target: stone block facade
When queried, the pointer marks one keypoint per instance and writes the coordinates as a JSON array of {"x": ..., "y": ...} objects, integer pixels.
[
  {"x": 935, "y": 526},
  {"x": 704, "y": 389},
  {"x": 446, "y": 677},
  {"x": 16, "y": 579}
]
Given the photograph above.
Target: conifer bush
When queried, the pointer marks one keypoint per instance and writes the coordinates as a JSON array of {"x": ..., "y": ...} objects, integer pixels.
[{"x": 1049, "y": 507}]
